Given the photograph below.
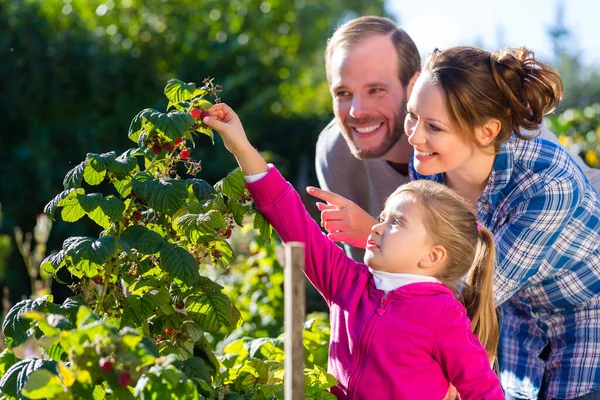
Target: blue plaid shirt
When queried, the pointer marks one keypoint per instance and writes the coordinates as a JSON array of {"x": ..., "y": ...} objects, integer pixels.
[{"x": 545, "y": 218}]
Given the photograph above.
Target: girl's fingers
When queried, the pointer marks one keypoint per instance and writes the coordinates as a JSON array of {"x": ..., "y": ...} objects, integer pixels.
[{"x": 323, "y": 206}]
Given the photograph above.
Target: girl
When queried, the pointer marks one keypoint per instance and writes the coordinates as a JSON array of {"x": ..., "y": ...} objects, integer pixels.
[
  {"x": 464, "y": 120},
  {"x": 397, "y": 328}
]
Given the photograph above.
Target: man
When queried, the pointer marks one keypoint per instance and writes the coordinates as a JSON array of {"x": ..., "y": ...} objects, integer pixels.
[{"x": 363, "y": 154}]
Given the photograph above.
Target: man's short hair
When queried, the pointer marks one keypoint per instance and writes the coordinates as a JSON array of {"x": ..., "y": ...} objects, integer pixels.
[{"x": 359, "y": 29}]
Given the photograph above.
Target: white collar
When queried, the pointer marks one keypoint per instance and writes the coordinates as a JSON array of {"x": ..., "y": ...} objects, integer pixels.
[{"x": 387, "y": 281}]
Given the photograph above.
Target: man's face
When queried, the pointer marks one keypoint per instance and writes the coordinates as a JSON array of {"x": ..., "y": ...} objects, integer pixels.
[{"x": 369, "y": 101}]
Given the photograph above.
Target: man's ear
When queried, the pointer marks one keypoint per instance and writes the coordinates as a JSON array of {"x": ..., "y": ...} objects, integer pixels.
[
  {"x": 435, "y": 258},
  {"x": 488, "y": 132},
  {"x": 411, "y": 85}
]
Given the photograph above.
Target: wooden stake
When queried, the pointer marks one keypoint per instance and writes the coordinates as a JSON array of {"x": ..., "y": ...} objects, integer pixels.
[{"x": 294, "y": 314}]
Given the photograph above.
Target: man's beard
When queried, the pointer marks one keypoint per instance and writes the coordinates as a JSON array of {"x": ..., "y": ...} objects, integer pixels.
[{"x": 392, "y": 137}]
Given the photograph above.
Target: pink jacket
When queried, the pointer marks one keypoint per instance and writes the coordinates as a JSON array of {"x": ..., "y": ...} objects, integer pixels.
[{"x": 409, "y": 344}]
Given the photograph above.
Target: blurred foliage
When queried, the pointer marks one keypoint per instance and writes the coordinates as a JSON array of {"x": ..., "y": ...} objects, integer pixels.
[
  {"x": 73, "y": 73},
  {"x": 579, "y": 130}
]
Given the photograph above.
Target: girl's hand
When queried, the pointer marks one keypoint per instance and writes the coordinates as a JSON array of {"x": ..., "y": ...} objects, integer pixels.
[
  {"x": 224, "y": 120},
  {"x": 342, "y": 219}
]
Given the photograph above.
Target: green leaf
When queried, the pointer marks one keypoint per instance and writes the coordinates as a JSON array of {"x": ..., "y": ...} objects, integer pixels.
[
  {"x": 102, "y": 249},
  {"x": 201, "y": 228},
  {"x": 123, "y": 166},
  {"x": 133, "y": 234},
  {"x": 194, "y": 368},
  {"x": 202, "y": 189},
  {"x": 42, "y": 384},
  {"x": 60, "y": 200},
  {"x": 101, "y": 162},
  {"x": 178, "y": 91},
  {"x": 53, "y": 262},
  {"x": 7, "y": 360},
  {"x": 13, "y": 382},
  {"x": 92, "y": 176},
  {"x": 122, "y": 186},
  {"x": 135, "y": 128},
  {"x": 112, "y": 207},
  {"x": 137, "y": 309},
  {"x": 179, "y": 263},
  {"x": 222, "y": 254},
  {"x": 171, "y": 126},
  {"x": 89, "y": 202},
  {"x": 15, "y": 327},
  {"x": 163, "y": 194},
  {"x": 150, "y": 242},
  {"x": 74, "y": 177},
  {"x": 232, "y": 185},
  {"x": 211, "y": 310},
  {"x": 263, "y": 226}
]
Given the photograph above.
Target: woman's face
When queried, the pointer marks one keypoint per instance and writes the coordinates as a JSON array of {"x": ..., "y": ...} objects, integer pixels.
[{"x": 439, "y": 146}]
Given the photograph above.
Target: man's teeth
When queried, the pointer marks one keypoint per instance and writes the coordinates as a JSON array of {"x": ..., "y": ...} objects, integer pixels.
[{"x": 367, "y": 129}]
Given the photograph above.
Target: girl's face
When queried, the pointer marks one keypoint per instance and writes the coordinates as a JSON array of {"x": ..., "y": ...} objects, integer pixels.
[
  {"x": 439, "y": 147},
  {"x": 399, "y": 241}
]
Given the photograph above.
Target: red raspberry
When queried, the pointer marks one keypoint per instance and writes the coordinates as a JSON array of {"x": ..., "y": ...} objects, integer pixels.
[
  {"x": 169, "y": 147},
  {"x": 180, "y": 305},
  {"x": 124, "y": 379},
  {"x": 106, "y": 365},
  {"x": 156, "y": 149},
  {"x": 98, "y": 280},
  {"x": 196, "y": 113},
  {"x": 133, "y": 194},
  {"x": 216, "y": 253},
  {"x": 159, "y": 340},
  {"x": 228, "y": 233},
  {"x": 169, "y": 331},
  {"x": 137, "y": 215},
  {"x": 185, "y": 154},
  {"x": 178, "y": 141},
  {"x": 204, "y": 114}
]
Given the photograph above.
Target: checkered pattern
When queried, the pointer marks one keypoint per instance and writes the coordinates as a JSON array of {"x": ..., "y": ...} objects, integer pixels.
[{"x": 545, "y": 219}]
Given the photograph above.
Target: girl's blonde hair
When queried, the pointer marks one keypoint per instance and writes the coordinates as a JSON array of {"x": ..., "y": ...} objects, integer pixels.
[
  {"x": 509, "y": 85},
  {"x": 450, "y": 222}
]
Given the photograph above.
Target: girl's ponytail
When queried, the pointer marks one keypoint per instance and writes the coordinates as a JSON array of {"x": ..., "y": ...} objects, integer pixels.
[
  {"x": 531, "y": 89},
  {"x": 478, "y": 294}
]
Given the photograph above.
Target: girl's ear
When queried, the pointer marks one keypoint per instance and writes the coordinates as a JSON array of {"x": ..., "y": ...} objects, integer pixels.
[
  {"x": 435, "y": 258},
  {"x": 488, "y": 132}
]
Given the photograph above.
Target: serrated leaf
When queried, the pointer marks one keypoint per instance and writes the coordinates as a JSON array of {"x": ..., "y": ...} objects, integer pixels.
[
  {"x": 133, "y": 234},
  {"x": 232, "y": 185},
  {"x": 74, "y": 177},
  {"x": 15, "y": 327},
  {"x": 42, "y": 384},
  {"x": 138, "y": 308},
  {"x": 53, "y": 262},
  {"x": 123, "y": 166},
  {"x": 264, "y": 227},
  {"x": 100, "y": 162},
  {"x": 122, "y": 186},
  {"x": 150, "y": 242},
  {"x": 202, "y": 128},
  {"x": 171, "y": 126},
  {"x": 13, "y": 382},
  {"x": 163, "y": 194},
  {"x": 212, "y": 310},
  {"x": 179, "y": 263},
  {"x": 102, "y": 249},
  {"x": 178, "y": 91},
  {"x": 59, "y": 200},
  {"x": 194, "y": 367},
  {"x": 202, "y": 189},
  {"x": 100, "y": 218},
  {"x": 92, "y": 176},
  {"x": 89, "y": 202},
  {"x": 112, "y": 207},
  {"x": 135, "y": 128},
  {"x": 201, "y": 228}
]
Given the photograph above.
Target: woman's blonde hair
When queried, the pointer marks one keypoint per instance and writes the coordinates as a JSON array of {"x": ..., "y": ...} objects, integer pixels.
[
  {"x": 509, "y": 85},
  {"x": 450, "y": 222}
]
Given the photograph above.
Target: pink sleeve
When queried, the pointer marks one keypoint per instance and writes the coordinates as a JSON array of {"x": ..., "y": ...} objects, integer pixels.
[
  {"x": 463, "y": 357},
  {"x": 325, "y": 262}
]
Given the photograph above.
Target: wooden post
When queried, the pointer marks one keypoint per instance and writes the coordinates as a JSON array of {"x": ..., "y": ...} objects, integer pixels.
[{"x": 294, "y": 314}]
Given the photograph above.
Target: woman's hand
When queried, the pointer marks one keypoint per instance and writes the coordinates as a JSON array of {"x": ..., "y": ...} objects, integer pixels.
[{"x": 342, "y": 219}]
